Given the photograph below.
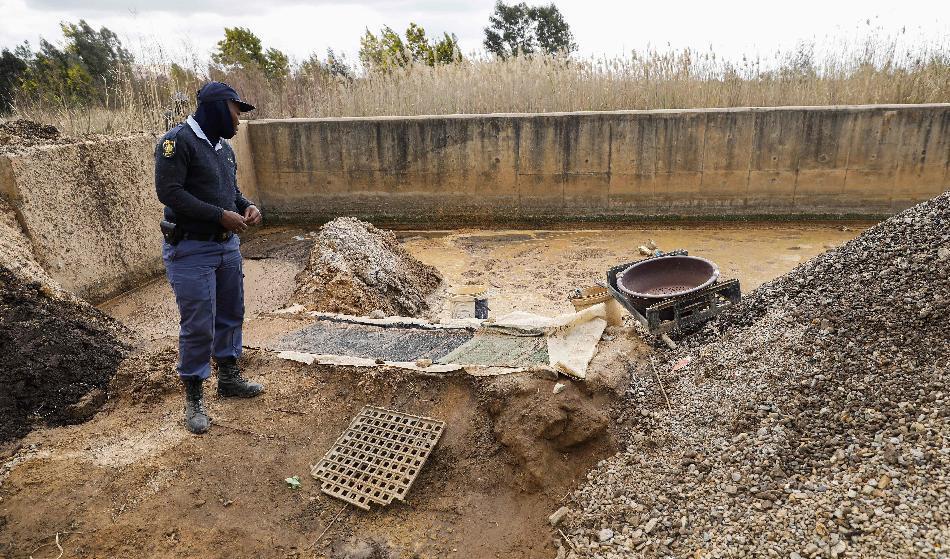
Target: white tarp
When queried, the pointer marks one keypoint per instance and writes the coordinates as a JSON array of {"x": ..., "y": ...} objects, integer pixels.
[{"x": 572, "y": 338}]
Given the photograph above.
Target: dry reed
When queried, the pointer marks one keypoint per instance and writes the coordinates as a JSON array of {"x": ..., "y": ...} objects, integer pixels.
[{"x": 875, "y": 70}]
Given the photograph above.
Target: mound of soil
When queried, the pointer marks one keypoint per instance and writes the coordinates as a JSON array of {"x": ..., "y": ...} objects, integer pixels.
[
  {"x": 19, "y": 134},
  {"x": 810, "y": 421},
  {"x": 56, "y": 352},
  {"x": 356, "y": 269}
]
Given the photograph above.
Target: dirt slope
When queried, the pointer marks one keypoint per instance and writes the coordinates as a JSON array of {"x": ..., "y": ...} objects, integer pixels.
[{"x": 132, "y": 483}]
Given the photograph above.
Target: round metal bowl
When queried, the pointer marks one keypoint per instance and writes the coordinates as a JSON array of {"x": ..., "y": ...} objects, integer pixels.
[{"x": 667, "y": 276}]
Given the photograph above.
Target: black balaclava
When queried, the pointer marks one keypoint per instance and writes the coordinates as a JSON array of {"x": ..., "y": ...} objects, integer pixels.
[{"x": 214, "y": 117}]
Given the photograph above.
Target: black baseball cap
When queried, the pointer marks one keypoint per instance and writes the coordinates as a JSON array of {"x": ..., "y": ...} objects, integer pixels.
[{"x": 219, "y": 91}]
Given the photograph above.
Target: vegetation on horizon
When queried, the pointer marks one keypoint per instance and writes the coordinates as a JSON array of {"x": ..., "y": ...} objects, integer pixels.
[{"x": 91, "y": 83}]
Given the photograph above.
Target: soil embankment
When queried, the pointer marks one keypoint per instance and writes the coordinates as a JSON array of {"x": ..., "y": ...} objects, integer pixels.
[{"x": 58, "y": 352}]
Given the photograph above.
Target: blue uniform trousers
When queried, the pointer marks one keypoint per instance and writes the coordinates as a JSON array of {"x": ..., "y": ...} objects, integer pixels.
[{"x": 208, "y": 282}]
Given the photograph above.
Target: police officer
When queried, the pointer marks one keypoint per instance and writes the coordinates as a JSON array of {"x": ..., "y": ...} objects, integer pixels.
[{"x": 196, "y": 180}]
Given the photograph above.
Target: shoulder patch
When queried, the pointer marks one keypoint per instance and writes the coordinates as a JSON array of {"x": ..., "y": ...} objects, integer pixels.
[{"x": 168, "y": 148}]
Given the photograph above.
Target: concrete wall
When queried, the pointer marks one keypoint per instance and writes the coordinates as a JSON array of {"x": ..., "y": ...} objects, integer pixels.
[
  {"x": 90, "y": 214},
  {"x": 89, "y": 209},
  {"x": 853, "y": 160}
]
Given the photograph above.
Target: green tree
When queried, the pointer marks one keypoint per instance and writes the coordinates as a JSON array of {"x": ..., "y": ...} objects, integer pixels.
[
  {"x": 446, "y": 50},
  {"x": 521, "y": 29},
  {"x": 12, "y": 72},
  {"x": 100, "y": 52},
  {"x": 552, "y": 31},
  {"x": 509, "y": 32},
  {"x": 338, "y": 66},
  {"x": 390, "y": 50},
  {"x": 334, "y": 66},
  {"x": 83, "y": 70},
  {"x": 57, "y": 76},
  {"x": 384, "y": 51},
  {"x": 241, "y": 48},
  {"x": 276, "y": 64}
]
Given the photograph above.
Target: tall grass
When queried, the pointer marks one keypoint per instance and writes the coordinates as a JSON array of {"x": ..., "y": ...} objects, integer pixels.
[{"x": 874, "y": 70}]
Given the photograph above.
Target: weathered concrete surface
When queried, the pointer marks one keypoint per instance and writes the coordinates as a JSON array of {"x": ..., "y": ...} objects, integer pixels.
[
  {"x": 848, "y": 160},
  {"x": 90, "y": 212}
]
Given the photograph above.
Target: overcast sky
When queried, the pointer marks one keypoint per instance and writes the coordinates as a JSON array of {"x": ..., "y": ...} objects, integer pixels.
[{"x": 608, "y": 28}]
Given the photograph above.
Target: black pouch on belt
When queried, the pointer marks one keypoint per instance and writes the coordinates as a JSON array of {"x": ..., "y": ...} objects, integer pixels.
[{"x": 171, "y": 232}]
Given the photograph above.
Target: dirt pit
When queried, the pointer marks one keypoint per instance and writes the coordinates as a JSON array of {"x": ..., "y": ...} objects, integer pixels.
[{"x": 132, "y": 482}]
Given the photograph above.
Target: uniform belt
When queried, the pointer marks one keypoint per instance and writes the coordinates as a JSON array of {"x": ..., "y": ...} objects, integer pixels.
[{"x": 219, "y": 237}]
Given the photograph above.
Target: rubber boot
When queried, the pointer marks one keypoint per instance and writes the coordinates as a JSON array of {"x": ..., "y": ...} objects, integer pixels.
[
  {"x": 230, "y": 382},
  {"x": 196, "y": 417}
]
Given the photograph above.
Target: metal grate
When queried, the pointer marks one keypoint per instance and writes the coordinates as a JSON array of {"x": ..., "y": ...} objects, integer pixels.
[{"x": 377, "y": 457}]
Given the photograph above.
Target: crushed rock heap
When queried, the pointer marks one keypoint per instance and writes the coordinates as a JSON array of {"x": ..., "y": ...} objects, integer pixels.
[
  {"x": 813, "y": 420},
  {"x": 356, "y": 269},
  {"x": 58, "y": 353}
]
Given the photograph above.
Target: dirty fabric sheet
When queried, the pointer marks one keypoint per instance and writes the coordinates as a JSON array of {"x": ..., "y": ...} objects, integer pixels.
[
  {"x": 389, "y": 343},
  {"x": 500, "y": 350},
  {"x": 514, "y": 342}
]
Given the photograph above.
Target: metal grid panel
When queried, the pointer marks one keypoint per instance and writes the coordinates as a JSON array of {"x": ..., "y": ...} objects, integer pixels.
[{"x": 377, "y": 457}]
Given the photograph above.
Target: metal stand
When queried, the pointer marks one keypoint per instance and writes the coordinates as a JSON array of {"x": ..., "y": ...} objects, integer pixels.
[{"x": 675, "y": 313}]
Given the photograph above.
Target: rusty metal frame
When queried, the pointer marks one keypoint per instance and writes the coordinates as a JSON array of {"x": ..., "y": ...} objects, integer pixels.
[{"x": 676, "y": 313}]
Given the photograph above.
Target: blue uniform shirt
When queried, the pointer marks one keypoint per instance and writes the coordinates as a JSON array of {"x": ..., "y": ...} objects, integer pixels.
[{"x": 196, "y": 181}]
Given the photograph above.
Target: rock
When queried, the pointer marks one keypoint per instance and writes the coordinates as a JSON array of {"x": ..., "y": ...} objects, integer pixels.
[
  {"x": 87, "y": 406},
  {"x": 943, "y": 253},
  {"x": 730, "y": 489},
  {"x": 644, "y": 251},
  {"x": 423, "y": 362},
  {"x": 377, "y": 314},
  {"x": 357, "y": 550},
  {"x": 558, "y": 516},
  {"x": 558, "y": 388},
  {"x": 650, "y": 525},
  {"x": 605, "y": 535}
]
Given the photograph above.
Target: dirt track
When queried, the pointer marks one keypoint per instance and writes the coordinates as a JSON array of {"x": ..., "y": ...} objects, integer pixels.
[{"x": 131, "y": 482}]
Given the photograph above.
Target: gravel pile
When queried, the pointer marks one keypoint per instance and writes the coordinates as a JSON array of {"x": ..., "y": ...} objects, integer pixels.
[
  {"x": 356, "y": 269},
  {"x": 811, "y": 421}
]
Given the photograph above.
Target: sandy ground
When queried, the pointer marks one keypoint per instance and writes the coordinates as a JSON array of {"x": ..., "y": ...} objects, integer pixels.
[{"x": 131, "y": 482}]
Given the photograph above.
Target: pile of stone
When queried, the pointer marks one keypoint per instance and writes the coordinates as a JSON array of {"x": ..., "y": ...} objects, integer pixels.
[
  {"x": 358, "y": 269},
  {"x": 812, "y": 420}
]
